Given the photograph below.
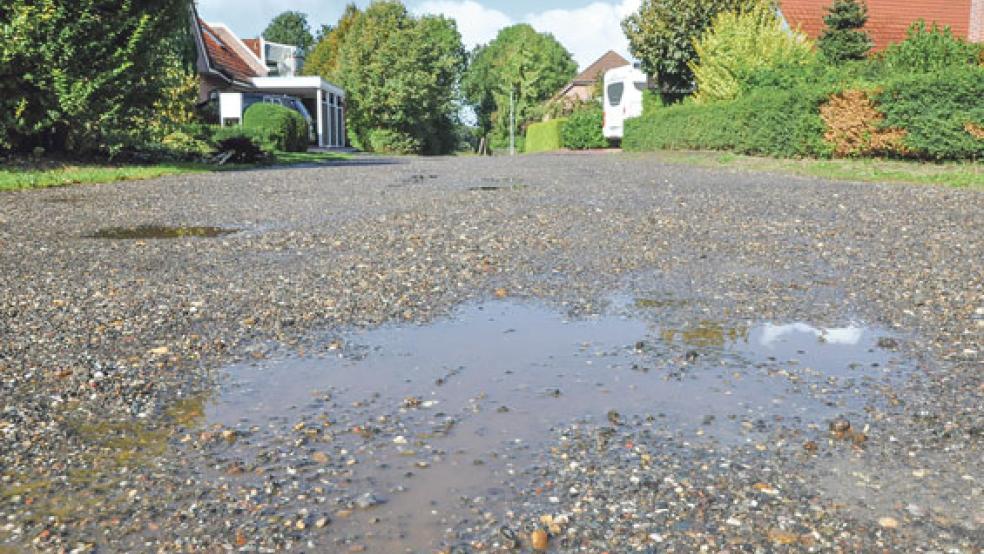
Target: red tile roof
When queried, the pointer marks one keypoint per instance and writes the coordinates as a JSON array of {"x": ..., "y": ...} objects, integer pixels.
[
  {"x": 253, "y": 44},
  {"x": 889, "y": 20},
  {"x": 610, "y": 60},
  {"x": 224, "y": 59}
]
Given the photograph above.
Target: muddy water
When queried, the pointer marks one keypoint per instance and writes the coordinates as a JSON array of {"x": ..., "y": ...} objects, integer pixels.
[
  {"x": 430, "y": 419},
  {"x": 143, "y": 232}
]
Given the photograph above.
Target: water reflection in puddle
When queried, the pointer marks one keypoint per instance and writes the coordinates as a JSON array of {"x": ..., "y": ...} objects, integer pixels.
[
  {"x": 143, "y": 232},
  {"x": 426, "y": 415}
]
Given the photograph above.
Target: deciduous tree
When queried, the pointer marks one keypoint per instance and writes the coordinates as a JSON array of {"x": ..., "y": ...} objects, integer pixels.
[
  {"x": 662, "y": 34},
  {"x": 534, "y": 66},
  {"x": 400, "y": 74},
  {"x": 290, "y": 28},
  {"x": 86, "y": 75}
]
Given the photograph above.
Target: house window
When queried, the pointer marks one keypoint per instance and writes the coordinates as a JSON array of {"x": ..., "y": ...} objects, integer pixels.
[{"x": 615, "y": 92}]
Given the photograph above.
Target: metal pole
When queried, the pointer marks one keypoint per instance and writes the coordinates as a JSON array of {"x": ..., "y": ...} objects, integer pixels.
[{"x": 512, "y": 123}]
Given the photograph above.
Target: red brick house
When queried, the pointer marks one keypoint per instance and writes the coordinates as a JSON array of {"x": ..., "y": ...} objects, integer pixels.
[{"x": 889, "y": 20}]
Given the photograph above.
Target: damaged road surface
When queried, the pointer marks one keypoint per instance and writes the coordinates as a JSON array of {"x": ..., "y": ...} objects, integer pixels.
[{"x": 561, "y": 353}]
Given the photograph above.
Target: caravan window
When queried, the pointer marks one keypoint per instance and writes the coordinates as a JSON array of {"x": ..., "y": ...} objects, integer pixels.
[{"x": 615, "y": 91}]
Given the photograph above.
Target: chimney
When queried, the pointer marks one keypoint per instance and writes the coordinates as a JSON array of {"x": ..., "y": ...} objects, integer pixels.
[{"x": 975, "y": 31}]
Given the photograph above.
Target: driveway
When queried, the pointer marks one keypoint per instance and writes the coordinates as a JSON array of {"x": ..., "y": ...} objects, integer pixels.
[{"x": 583, "y": 352}]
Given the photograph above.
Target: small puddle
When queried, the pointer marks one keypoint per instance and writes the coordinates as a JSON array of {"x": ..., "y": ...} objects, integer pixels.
[
  {"x": 421, "y": 417},
  {"x": 144, "y": 232}
]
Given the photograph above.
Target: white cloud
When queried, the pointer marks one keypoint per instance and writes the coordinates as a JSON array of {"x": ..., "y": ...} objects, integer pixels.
[
  {"x": 587, "y": 32},
  {"x": 476, "y": 23}
]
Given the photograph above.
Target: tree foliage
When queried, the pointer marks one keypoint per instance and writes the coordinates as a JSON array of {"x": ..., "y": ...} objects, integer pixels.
[
  {"x": 290, "y": 28},
  {"x": 88, "y": 75},
  {"x": 533, "y": 65},
  {"x": 324, "y": 57},
  {"x": 400, "y": 74},
  {"x": 930, "y": 49},
  {"x": 662, "y": 34},
  {"x": 739, "y": 43},
  {"x": 844, "y": 38}
]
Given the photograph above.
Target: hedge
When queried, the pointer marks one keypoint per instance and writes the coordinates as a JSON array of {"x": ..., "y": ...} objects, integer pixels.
[
  {"x": 286, "y": 129},
  {"x": 774, "y": 122},
  {"x": 929, "y": 116},
  {"x": 544, "y": 137},
  {"x": 941, "y": 113},
  {"x": 584, "y": 129}
]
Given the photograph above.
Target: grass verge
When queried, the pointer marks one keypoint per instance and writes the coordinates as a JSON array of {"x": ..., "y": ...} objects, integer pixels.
[
  {"x": 57, "y": 174},
  {"x": 952, "y": 174}
]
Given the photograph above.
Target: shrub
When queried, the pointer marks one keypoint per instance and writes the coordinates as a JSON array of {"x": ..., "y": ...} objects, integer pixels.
[
  {"x": 854, "y": 126},
  {"x": 544, "y": 137},
  {"x": 927, "y": 50},
  {"x": 784, "y": 123},
  {"x": 243, "y": 149},
  {"x": 392, "y": 142},
  {"x": 938, "y": 111},
  {"x": 584, "y": 129},
  {"x": 185, "y": 146},
  {"x": 739, "y": 43},
  {"x": 287, "y": 129}
]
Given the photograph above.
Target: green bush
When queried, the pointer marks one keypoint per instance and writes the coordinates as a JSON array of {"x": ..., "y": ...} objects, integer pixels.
[
  {"x": 287, "y": 129},
  {"x": 584, "y": 129},
  {"x": 772, "y": 121},
  {"x": 392, "y": 142},
  {"x": 739, "y": 43},
  {"x": 186, "y": 146},
  {"x": 926, "y": 50},
  {"x": 938, "y": 112},
  {"x": 545, "y": 136}
]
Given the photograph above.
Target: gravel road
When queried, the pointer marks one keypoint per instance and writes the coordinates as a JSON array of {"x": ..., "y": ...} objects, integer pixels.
[{"x": 121, "y": 303}]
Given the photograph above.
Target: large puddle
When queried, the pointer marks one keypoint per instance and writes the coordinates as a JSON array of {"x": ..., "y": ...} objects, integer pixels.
[{"x": 390, "y": 434}]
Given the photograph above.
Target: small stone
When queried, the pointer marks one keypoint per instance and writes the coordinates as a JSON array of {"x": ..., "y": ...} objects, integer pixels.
[
  {"x": 229, "y": 435},
  {"x": 320, "y": 457},
  {"x": 810, "y": 446},
  {"x": 539, "y": 540},
  {"x": 400, "y": 440},
  {"x": 888, "y": 522},
  {"x": 321, "y": 522}
]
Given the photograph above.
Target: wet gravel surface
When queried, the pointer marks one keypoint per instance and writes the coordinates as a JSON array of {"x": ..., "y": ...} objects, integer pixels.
[{"x": 112, "y": 342}]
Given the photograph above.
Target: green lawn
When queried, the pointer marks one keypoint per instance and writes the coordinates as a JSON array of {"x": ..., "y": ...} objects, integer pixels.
[
  {"x": 56, "y": 174},
  {"x": 959, "y": 175}
]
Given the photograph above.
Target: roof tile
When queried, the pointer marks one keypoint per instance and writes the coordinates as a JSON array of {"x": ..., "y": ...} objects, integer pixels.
[{"x": 888, "y": 19}]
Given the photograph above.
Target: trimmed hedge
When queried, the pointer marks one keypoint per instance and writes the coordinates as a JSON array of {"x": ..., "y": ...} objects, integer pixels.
[
  {"x": 584, "y": 129},
  {"x": 774, "y": 122},
  {"x": 939, "y": 113},
  {"x": 286, "y": 129},
  {"x": 544, "y": 137}
]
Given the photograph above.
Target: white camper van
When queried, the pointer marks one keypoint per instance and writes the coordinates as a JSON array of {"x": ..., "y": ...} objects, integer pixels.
[{"x": 624, "y": 87}]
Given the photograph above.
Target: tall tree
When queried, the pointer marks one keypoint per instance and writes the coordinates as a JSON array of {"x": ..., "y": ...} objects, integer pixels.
[
  {"x": 530, "y": 65},
  {"x": 324, "y": 57},
  {"x": 662, "y": 34},
  {"x": 400, "y": 75},
  {"x": 78, "y": 76},
  {"x": 844, "y": 38},
  {"x": 290, "y": 28}
]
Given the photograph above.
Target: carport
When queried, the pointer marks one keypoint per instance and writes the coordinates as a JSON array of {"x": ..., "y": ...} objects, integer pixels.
[{"x": 325, "y": 101}]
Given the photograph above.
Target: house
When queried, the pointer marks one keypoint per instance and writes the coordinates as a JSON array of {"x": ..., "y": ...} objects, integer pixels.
[
  {"x": 889, "y": 20},
  {"x": 229, "y": 67},
  {"x": 582, "y": 88}
]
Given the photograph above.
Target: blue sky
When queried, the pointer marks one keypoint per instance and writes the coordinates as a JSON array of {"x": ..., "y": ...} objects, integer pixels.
[{"x": 588, "y": 28}]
